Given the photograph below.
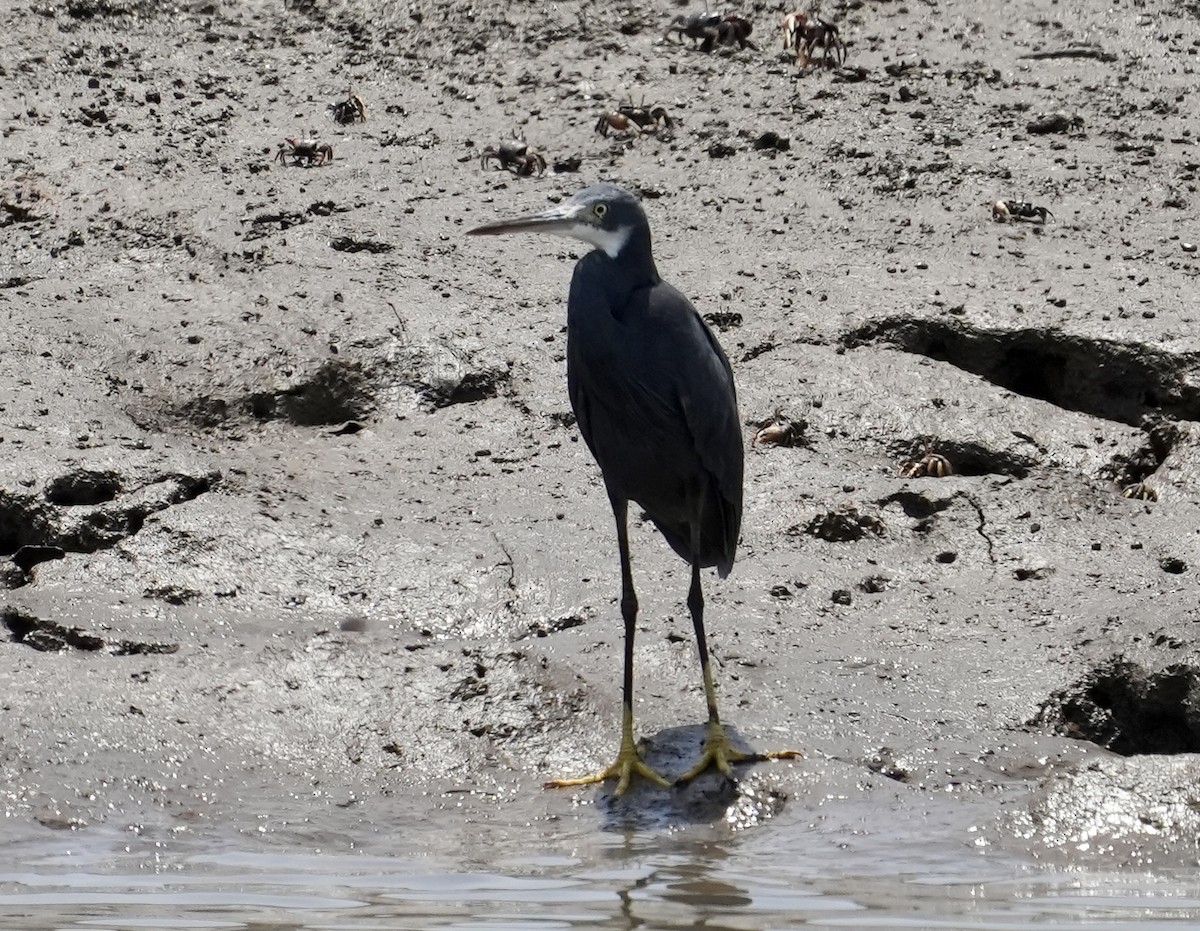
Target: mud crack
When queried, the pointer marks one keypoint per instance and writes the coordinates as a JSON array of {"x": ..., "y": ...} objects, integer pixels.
[
  {"x": 1110, "y": 379},
  {"x": 924, "y": 509},
  {"x": 981, "y": 527}
]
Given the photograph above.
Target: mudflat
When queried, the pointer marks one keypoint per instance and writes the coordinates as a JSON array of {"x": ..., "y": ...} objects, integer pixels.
[{"x": 297, "y": 528}]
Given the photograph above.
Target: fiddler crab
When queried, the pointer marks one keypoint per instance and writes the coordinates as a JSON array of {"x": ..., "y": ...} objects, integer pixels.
[
  {"x": 516, "y": 156},
  {"x": 1139, "y": 491},
  {"x": 351, "y": 110},
  {"x": 930, "y": 465},
  {"x": 1005, "y": 210},
  {"x": 779, "y": 430},
  {"x": 712, "y": 29},
  {"x": 304, "y": 152},
  {"x": 803, "y": 33},
  {"x": 628, "y": 118},
  {"x": 792, "y": 26}
]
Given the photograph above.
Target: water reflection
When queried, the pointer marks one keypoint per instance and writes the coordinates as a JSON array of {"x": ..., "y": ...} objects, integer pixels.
[
  {"x": 702, "y": 885},
  {"x": 578, "y": 878}
]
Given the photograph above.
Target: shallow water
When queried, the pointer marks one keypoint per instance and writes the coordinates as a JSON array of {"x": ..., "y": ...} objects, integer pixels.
[{"x": 575, "y": 878}]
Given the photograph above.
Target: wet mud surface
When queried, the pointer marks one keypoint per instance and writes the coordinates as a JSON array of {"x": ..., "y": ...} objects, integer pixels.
[{"x": 295, "y": 523}]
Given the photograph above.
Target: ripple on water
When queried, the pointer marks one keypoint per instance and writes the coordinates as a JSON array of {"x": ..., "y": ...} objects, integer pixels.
[{"x": 801, "y": 874}]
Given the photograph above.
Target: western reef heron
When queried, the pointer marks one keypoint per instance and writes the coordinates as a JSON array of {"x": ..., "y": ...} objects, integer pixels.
[{"x": 654, "y": 398}]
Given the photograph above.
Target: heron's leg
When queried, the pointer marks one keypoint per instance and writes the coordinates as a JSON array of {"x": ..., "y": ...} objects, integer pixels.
[
  {"x": 717, "y": 753},
  {"x": 629, "y": 762}
]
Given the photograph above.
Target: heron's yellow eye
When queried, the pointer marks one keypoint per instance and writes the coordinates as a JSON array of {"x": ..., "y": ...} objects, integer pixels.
[{"x": 600, "y": 210}]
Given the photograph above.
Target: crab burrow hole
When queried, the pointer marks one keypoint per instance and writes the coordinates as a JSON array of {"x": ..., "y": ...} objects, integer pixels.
[
  {"x": 1129, "y": 709},
  {"x": 1110, "y": 379}
]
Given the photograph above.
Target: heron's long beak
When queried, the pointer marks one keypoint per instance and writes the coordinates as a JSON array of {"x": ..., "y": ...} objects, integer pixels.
[{"x": 562, "y": 218}]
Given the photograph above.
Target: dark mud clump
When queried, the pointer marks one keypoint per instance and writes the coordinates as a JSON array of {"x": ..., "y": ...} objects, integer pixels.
[
  {"x": 83, "y": 511},
  {"x": 50, "y": 637},
  {"x": 845, "y": 525},
  {"x": 334, "y": 393}
]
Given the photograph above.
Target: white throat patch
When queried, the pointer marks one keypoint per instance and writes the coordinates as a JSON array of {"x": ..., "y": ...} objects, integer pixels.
[{"x": 611, "y": 242}]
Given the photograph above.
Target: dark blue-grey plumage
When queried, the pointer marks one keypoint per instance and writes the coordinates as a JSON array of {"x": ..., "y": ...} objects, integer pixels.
[{"x": 654, "y": 397}]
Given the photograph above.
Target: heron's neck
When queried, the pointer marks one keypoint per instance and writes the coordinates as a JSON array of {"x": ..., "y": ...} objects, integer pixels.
[{"x": 635, "y": 260}]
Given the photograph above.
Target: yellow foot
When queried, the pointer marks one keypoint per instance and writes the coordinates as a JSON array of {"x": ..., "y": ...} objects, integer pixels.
[
  {"x": 628, "y": 764},
  {"x": 718, "y": 754}
]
